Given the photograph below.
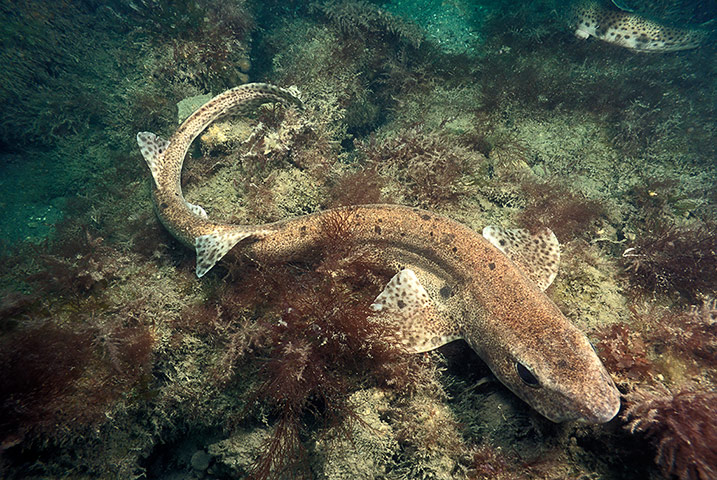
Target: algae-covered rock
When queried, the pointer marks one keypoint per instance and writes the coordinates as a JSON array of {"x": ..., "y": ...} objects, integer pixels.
[
  {"x": 200, "y": 460},
  {"x": 223, "y": 135},
  {"x": 236, "y": 454},
  {"x": 295, "y": 192},
  {"x": 453, "y": 27},
  {"x": 188, "y": 105},
  {"x": 359, "y": 448}
]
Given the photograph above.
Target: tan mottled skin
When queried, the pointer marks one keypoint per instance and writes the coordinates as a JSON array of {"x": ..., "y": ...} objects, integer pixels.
[
  {"x": 167, "y": 194},
  {"x": 502, "y": 315},
  {"x": 631, "y": 30}
]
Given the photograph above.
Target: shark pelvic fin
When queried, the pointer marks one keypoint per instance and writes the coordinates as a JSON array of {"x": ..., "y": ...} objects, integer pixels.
[
  {"x": 152, "y": 148},
  {"x": 536, "y": 255},
  {"x": 197, "y": 210},
  {"x": 419, "y": 325}
]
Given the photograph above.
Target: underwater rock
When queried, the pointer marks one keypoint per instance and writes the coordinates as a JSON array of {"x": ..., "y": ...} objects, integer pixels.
[
  {"x": 236, "y": 454},
  {"x": 188, "y": 105},
  {"x": 200, "y": 460},
  {"x": 367, "y": 450},
  {"x": 450, "y": 26}
]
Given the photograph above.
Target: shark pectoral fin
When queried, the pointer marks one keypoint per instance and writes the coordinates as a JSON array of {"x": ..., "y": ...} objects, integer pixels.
[
  {"x": 212, "y": 247},
  {"x": 581, "y": 34},
  {"x": 197, "y": 210},
  {"x": 152, "y": 148},
  {"x": 418, "y": 325},
  {"x": 536, "y": 255}
]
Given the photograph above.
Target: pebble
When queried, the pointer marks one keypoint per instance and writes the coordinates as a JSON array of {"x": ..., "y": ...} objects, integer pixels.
[{"x": 200, "y": 460}]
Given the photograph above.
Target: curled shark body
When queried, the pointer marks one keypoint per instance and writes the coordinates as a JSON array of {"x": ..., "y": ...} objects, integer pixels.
[
  {"x": 451, "y": 283},
  {"x": 630, "y": 30}
]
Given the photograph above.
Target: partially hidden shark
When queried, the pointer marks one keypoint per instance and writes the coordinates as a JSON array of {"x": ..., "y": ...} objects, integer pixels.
[
  {"x": 630, "y": 30},
  {"x": 451, "y": 283}
]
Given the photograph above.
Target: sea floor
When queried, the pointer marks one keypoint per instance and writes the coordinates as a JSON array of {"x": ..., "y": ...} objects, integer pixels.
[{"x": 120, "y": 363}]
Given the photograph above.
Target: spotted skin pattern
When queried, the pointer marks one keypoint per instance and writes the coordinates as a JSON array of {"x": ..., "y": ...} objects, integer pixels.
[
  {"x": 186, "y": 222},
  {"x": 632, "y": 31},
  {"x": 538, "y": 255},
  {"x": 451, "y": 282},
  {"x": 418, "y": 325}
]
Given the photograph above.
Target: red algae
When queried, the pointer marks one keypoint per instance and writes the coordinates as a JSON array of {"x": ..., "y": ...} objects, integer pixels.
[{"x": 682, "y": 426}]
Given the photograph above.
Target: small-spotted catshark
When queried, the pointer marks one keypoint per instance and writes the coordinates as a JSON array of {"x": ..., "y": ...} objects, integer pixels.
[
  {"x": 631, "y": 30},
  {"x": 451, "y": 283}
]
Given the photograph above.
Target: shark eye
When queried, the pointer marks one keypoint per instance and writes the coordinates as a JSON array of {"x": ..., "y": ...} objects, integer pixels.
[{"x": 526, "y": 375}]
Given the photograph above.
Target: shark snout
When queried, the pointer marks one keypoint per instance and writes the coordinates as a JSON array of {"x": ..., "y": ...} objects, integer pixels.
[{"x": 603, "y": 402}]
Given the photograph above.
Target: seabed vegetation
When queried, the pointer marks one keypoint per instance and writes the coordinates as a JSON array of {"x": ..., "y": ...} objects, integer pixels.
[{"x": 119, "y": 363}]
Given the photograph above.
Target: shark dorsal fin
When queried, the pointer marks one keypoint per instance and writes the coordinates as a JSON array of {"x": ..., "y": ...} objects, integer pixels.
[
  {"x": 418, "y": 325},
  {"x": 152, "y": 148},
  {"x": 537, "y": 255}
]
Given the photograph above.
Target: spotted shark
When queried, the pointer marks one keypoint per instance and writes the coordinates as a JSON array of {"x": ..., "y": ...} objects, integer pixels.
[
  {"x": 630, "y": 30},
  {"x": 450, "y": 282}
]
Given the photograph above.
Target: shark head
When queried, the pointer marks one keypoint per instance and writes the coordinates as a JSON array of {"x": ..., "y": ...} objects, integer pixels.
[
  {"x": 559, "y": 375},
  {"x": 542, "y": 357}
]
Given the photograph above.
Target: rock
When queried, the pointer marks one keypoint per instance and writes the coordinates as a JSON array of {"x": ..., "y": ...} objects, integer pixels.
[
  {"x": 200, "y": 460},
  {"x": 187, "y": 106}
]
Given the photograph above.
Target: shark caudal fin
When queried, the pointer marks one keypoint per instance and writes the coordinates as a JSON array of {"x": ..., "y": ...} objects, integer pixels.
[
  {"x": 152, "y": 147},
  {"x": 536, "y": 255},
  {"x": 418, "y": 324}
]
